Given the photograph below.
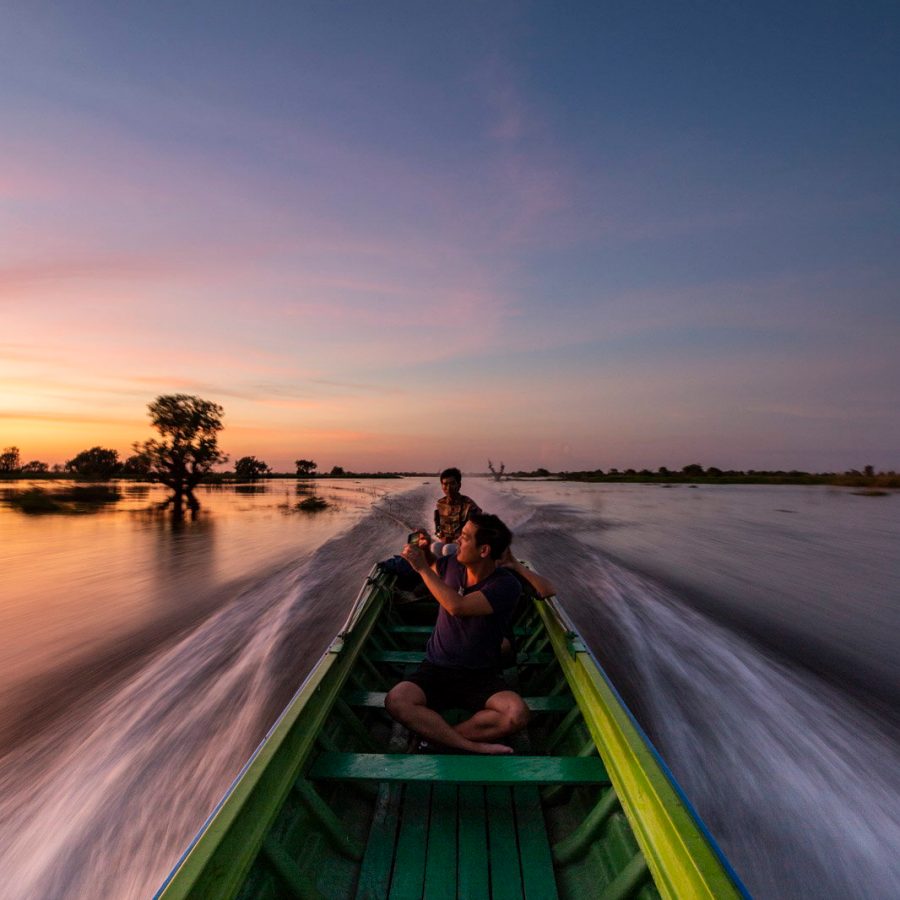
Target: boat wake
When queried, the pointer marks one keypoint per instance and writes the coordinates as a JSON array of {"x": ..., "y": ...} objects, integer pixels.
[
  {"x": 113, "y": 797},
  {"x": 798, "y": 783}
]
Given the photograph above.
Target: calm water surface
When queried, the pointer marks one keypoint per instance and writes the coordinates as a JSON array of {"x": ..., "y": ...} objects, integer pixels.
[{"x": 753, "y": 629}]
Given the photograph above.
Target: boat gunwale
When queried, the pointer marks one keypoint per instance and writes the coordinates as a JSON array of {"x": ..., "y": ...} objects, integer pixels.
[
  {"x": 572, "y": 660},
  {"x": 292, "y": 711}
]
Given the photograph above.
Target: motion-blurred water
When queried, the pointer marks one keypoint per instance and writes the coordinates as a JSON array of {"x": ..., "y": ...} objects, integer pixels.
[{"x": 753, "y": 630}]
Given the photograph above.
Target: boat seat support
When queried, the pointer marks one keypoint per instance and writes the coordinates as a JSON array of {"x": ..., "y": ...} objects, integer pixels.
[
  {"x": 576, "y": 844},
  {"x": 333, "y": 826},
  {"x": 353, "y": 724},
  {"x": 627, "y": 882},
  {"x": 564, "y": 727},
  {"x": 294, "y": 882}
]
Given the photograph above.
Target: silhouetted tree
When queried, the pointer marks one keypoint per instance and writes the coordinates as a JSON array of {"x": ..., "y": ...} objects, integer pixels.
[
  {"x": 98, "y": 462},
  {"x": 497, "y": 474},
  {"x": 35, "y": 465},
  {"x": 189, "y": 427},
  {"x": 9, "y": 460},
  {"x": 869, "y": 471},
  {"x": 693, "y": 470},
  {"x": 137, "y": 465},
  {"x": 338, "y": 470},
  {"x": 249, "y": 468},
  {"x": 305, "y": 467}
]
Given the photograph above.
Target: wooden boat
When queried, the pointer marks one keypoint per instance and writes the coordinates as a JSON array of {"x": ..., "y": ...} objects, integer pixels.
[{"x": 333, "y": 804}]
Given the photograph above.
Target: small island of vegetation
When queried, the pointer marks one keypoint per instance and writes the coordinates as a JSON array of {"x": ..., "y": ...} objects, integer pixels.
[{"x": 312, "y": 504}]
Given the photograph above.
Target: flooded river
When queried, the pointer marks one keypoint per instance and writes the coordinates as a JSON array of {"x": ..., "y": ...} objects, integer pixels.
[{"x": 753, "y": 629}]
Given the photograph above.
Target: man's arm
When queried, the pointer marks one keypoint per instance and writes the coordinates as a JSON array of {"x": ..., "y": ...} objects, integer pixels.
[
  {"x": 542, "y": 586},
  {"x": 475, "y": 604}
]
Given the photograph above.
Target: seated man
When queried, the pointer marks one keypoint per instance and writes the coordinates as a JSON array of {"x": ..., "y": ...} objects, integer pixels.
[
  {"x": 453, "y": 511},
  {"x": 462, "y": 658}
]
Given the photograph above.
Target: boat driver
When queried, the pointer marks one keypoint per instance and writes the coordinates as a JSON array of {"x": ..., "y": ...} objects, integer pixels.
[
  {"x": 462, "y": 667},
  {"x": 452, "y": 511}
]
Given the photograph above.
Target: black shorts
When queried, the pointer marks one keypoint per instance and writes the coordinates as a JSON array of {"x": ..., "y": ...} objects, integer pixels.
[{"x": 449, "y": 687}]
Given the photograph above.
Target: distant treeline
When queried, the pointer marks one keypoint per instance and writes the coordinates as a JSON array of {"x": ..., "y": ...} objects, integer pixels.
[
  {"x": 697, "y": 474},
  {"x": 102, "y": 464},
  {"x": 60, "y": 474},
  {"x": 227, "y": 477}
]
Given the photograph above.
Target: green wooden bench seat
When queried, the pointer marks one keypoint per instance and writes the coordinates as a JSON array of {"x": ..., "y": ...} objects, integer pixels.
[
  {"x": 442, "y": 842},
  {"x": 519, "y": 630},
  {"x": 410, "y": 629},
  {"x": 459, "y": 769},
  {"x": 416, "y": 656},
  {"x": 375, "y": 700}
]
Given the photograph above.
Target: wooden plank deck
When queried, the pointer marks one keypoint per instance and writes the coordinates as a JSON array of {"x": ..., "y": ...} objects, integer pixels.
[{"x": 445, "y": 841}]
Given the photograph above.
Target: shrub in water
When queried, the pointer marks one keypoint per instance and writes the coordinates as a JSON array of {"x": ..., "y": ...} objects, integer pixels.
[{"x": 312, "y": 504}]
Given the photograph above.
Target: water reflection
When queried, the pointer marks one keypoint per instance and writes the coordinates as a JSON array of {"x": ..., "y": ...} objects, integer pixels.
[
  {"x": 184, "y": 555},
  {"x": 81, "y": 591},
  {"x": 67, "y": 499},
  {"x": 100, "y": 799}
]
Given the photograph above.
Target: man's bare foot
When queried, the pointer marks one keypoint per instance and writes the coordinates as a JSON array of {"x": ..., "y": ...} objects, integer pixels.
[
  {"x": 491, "y": 749},
  {"x": 478, "y": 747}
]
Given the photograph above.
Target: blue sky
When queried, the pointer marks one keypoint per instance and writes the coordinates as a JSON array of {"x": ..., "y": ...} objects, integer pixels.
[{"x": 393, "y": 235}]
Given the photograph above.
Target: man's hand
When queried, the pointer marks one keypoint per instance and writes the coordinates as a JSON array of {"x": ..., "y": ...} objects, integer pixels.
[
  {"x": 415, "y": 556},
  {"x": 507, "y": 560}
]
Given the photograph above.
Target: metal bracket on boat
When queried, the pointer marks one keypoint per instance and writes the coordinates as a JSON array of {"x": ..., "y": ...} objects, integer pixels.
[{"x": 574, "y": 643}]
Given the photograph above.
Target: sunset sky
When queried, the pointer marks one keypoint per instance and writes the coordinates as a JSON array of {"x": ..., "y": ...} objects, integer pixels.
[{"x": 404, "y": 235}]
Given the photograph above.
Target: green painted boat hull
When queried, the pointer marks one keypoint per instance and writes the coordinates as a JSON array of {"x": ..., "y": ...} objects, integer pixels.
[{"x": 332, "y": 804}]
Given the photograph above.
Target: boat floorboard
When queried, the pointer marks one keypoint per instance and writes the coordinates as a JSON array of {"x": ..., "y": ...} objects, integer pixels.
[{"x": 446, "y": 841}]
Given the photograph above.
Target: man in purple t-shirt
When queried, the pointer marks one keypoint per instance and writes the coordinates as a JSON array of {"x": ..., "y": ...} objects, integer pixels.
[{"x": 477, "y": 599}]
